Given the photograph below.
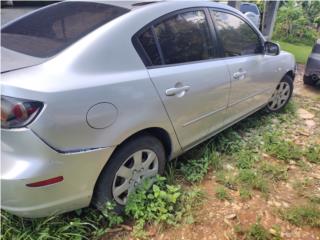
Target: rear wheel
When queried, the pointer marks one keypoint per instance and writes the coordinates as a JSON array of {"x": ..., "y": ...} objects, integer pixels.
[
  {"x": 139, "y": 159},
  {"x": 281, "y": 95}
]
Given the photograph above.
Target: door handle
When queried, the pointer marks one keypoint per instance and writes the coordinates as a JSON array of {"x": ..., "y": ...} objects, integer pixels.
[
  {"x": 177, "y": 90},
  {"x": 240, "y": 75}
]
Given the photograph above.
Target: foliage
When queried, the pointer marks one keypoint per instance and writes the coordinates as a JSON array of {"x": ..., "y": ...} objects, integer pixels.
[
  {"x": 162, "y": 203},
  {"x": 246, "y": 159},
  {"x": 253, "y": 179},
  {"x": 297, "y": 22},
  {"x": 256, "y": 232},
  {"x": 90, "y": 224},
  {"x": 274, "y": 171},
  {"x": 313, "y": 154},
  {"x": 158, "y": 205},
  {"x": 222, "y": 194},
  {"x": 281, "y": 149},
  {"x": 306, "y": 215},
  {"x": 194, "y": 170}
]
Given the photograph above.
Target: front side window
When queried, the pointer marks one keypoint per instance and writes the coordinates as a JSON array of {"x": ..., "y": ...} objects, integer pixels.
[
  {"x": 237, "y": 37},
  {"x": 185, "y": 37},
  {"x": 50, "y": 30}
]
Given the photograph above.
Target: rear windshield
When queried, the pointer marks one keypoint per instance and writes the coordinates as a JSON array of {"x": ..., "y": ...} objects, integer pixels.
[
  {"x": 244, "y": 8},
  {"x": 50, "y": 30}
]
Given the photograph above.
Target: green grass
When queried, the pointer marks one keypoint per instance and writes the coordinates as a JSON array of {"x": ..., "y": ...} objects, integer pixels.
[
  {"x": 222, "y": 194},
  {"x": 306, "y": 215},
  {"x": 301, "y": 52}
]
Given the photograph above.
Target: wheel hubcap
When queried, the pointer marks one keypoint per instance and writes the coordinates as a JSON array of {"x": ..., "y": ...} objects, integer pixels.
[
  {"x": 139, "y": 166},
  {"x": 280, "y": 96}
]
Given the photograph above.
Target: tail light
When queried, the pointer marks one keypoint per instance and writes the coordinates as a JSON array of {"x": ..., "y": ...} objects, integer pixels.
[{"x": 16, "y": 113}]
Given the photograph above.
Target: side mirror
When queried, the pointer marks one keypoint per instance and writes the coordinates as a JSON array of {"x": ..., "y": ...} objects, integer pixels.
[{"x": 271, "y": 48}]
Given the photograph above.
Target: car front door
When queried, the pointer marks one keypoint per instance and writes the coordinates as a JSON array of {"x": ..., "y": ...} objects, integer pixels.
[
  {"x": 253, "y": 74},
  {"x": 192, "y": 84}
]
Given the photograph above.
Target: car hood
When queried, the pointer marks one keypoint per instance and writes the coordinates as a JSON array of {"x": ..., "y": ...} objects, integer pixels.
[{"x": 11, "y": 60}]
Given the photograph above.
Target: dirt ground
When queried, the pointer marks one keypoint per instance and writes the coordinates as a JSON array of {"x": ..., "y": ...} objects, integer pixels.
[{"x": 217, "y": 219}]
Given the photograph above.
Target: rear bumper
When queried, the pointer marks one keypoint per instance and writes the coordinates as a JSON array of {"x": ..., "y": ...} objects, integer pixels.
[{"x": 27, "y": 159}]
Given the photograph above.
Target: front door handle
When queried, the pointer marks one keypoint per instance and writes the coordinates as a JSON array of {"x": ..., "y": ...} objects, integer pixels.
[
  {"x": 177, "y": 91},
  {"x": 240, "y": 75}
]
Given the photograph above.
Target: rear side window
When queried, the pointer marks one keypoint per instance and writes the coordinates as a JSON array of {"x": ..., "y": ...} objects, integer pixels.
[
  {"x": 237, "y": 37},
  {"x": 148, "y": 42},
  {"x": 50, "y": 30},
  {"x": 185, "y": 37}
]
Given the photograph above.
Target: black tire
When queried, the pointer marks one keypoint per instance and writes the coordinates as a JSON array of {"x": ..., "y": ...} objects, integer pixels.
[
  {"x": 103, "y": 189},
  {"x": 287, "y": 79}
]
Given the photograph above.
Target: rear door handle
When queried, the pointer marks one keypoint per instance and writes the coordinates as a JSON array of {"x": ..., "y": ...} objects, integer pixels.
[{"x": 177, "y": 90}]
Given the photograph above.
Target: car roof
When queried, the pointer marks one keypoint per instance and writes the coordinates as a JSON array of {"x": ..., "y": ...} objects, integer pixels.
[{"x": 131, "y": 5}]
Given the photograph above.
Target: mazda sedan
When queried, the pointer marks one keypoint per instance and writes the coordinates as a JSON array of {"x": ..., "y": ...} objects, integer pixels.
[{"x": 97, "y": 96}]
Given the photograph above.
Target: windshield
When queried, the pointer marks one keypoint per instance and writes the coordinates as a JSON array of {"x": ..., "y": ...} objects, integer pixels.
[
  {"x": 244, "y": 8},
  {"x": 50, "y": 30}
]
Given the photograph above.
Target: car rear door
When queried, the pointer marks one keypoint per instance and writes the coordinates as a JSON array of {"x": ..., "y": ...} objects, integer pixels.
[
  {"x": 193, "y": 85},
  {"x": 253, "y": 74}
]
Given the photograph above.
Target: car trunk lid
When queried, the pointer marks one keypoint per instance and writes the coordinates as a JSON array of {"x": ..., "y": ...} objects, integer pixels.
[{"x": 12, "y": 60}]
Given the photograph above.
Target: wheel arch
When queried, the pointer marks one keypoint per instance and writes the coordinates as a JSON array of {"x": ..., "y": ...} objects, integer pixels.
[
  {"x": 159, "y": 133},
  {"x": 291, "y": 74}
]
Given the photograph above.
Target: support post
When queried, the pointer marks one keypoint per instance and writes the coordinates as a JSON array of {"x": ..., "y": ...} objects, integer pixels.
[
  {"x": 269, "y": 18},
  {"x": 235, "y": 4}
]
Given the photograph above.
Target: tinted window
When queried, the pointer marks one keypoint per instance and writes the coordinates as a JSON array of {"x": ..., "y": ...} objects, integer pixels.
[
  {"x": 185, "y": 38},
  {"x": 249, "y": 8},
  {"x": 316, "y": 48},
  {"x": 237, "y": 37},
  {"x": 52, "y": 29},
  {"x": 148, "y": 42}
]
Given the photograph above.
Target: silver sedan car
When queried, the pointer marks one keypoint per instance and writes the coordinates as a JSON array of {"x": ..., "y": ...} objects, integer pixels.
[{"x": 98, "y": 96}]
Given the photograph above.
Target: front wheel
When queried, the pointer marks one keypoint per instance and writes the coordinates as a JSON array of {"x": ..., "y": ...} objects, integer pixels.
[
  {"x": 281, "y": 95},
  {"x": 140, "y": 158}
]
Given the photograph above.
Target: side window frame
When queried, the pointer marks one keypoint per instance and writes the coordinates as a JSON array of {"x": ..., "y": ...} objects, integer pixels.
[
  {"x": 144, "y": 56},
  {"x": 262, "y": 41}
]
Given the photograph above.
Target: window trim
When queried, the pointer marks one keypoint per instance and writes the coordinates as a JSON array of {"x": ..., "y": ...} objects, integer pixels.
[
  {"x": 144, "y": 56},
  {"x": 262, "y": 41}
]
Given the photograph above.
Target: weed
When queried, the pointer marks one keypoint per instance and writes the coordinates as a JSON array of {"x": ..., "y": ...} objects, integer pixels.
[
  {"x": 245, "y": 159},
  {"x": 274, "y": 171},
  {"x": 191, "y": 200},
  {"x": 226, "y": 179},
  {"x": 229, "y": 142},
  {"x": 306, "y": 215},
  {"x": 302, "y": 185},
  {"x": 170, "y": 172},
  {"x": 194, "y": 170},
  {"x": 253, "y": 180},
  {"x": 159, "y": 204},
  {"x": 222, "y": 194},
  {"x": 163, "y": 204},
  {"x": 313, "y": 154},
  {"x": 281, "y": 149},
  {"x": 256, "y": 232},
  {"x": 245, "y": 194},
  {"x": 314, "y": 199},
  {"x": 214, "y": 158},
  {"x": 90, "y": 224}
]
